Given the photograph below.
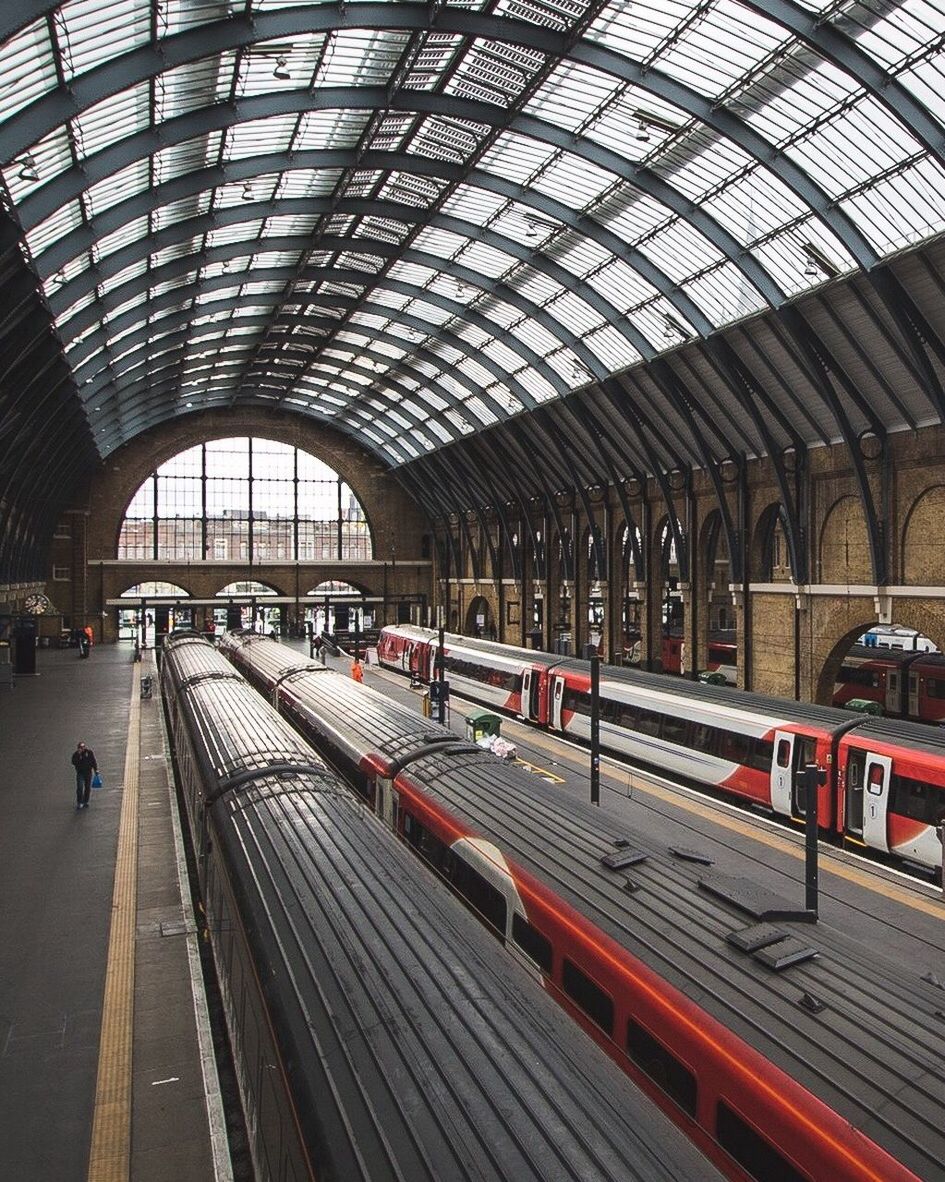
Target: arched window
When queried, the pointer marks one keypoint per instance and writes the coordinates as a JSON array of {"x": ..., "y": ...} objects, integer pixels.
[{"x": 244, "y": 500}]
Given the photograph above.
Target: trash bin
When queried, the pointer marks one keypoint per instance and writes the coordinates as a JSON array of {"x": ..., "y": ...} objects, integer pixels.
[
  {"x": 482, "y": 722},
  {"x": 864, "y": 706},
  {"x": 712, "y": 677}
]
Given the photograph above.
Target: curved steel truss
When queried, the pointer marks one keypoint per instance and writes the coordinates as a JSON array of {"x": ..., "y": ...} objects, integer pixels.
[{"x": 419, "y": 221}]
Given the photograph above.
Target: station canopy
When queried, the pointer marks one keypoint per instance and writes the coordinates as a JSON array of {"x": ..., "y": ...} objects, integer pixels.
[{"x": 414, "y": 221}]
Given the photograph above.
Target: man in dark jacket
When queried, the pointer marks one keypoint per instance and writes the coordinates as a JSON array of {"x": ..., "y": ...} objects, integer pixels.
[{"x": 83, "y": 760}]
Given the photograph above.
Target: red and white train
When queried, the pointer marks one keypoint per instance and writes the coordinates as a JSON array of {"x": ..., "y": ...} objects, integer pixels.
[
  {"x": 769, "y": 1087},
  {"x": 885, "y": 786},
  {"x": 905, "y": 684}
]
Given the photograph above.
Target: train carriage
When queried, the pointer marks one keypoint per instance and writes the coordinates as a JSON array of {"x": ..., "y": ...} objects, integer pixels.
[
  {"x": 376, "y": 1035},
  {"x": 744, "y": 745},
  {"x": 544, "y": 874}
]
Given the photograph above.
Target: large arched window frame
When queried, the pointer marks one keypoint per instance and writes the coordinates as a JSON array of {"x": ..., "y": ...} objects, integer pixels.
[{"x": 244, "y": 500}]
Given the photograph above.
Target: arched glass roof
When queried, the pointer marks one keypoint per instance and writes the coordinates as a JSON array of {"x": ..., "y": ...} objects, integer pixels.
[{"x": 414, "y": 221}]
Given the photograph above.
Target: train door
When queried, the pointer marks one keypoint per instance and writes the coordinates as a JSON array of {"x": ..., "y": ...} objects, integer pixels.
[
  {"x": 782, "y": 773},
  {"x": 878, "y": 774},
  {"x": 557, "y": 700},
  {"x": 530, "y": 694},
  {"x": 914, "y": 696},
  {"x": 855, "y": 778},
  {"x": 805, "y": 752},
  {"x": 893, "y": 691}
]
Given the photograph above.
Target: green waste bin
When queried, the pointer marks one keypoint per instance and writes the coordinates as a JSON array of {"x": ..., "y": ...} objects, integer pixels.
[
  {"x": 712, "y": 677},
  {"x": 864, "y": 706},
  {"x": 482, "y": 722}
]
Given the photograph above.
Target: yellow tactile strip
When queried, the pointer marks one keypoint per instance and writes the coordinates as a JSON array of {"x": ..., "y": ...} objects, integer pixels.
[{"x": 110, "y": 1153}]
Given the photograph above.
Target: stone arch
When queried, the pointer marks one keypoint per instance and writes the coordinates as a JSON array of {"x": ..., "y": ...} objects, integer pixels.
[
  {"x": 923, "y": 544},
  {"x": 907, "y": 613},
  {"x": 844, "y": 550},
  {"x": 769, "y": 553},
  {"x": 173, "y": 589},
  {"x": 263, "y": 588},
  {"x": 480, "y": 609}
]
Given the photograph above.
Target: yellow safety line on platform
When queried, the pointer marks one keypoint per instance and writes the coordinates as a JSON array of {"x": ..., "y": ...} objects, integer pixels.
[{"x": 110, "y": 1154}]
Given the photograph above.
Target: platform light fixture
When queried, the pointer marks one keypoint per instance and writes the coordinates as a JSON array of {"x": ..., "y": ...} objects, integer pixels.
[
  {"x": 247, "y": 194},
  {"x": 673, "y": 329},
  {"x": 648, "y": 121},
  {"x": 28, "y": 170},
  {"x": 816, "y": 262},
  {"x": 282, "y": 69}
]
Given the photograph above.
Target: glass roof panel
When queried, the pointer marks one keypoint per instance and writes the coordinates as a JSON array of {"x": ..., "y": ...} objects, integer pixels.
[{"x": 813, "y": 133}]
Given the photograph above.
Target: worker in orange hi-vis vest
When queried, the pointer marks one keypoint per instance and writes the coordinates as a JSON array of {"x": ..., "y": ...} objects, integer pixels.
[{"x": 357, "y": 672}]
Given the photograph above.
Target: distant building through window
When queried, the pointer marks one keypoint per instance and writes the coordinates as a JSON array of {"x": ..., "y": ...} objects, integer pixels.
[{"x": 244, "y": 500}]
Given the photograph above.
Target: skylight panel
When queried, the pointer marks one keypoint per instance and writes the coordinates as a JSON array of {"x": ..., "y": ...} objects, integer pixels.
[
  {"x": 575, "y": 181},
  {"x": 188, "y": 87},
  {"x": 238, "y": 232},
  {"x": 702, "y": 163},
  {"x": 361, "y": 57},
  {"x": 791, "y": 109},
  {"x": 636, "y": 28},
  {"x": 85, "y": 301},
  {"x": 515, "y": 157},
  {"x": 95, "y": 31},
  {"x": 486, "y": 260},
  {"x": 537, "y": 385},
  {"x": 714, "y": 52},
  {"x": 330, "y": 129},
  {"x": 258, "y": 137},
  {"x": 611, "y": 348},
  {"x": 441, "y": 243},
  {"x": 901, "y": 209},
  {"x": 112, "y": 119},
  {"x": 755, "y": 205},
  {"x": 621, "y": 285},
  {"x": 478, "y": 408},
  {"x": 57, "y": 225},
  {"x": 630, "y": 213},
  {"x": 534, "y": 285},
  {"x": 720, "y": 293},
  {"x": 576, "y": 314},
  {"x": 308, "y": 182},
  {"x": 27, "y": 68},
  {"x": 926, "y": 80},
  {"x": 30, "y": 170},
  {"x": 180, "y": 211},
  {"x": 504, "y": 356},
  {"x": 572, "y": 94},
  {"x": 853, "y": 147},
  {"x": 680, "y": 250},
  {"x": 458, "y": 421},
  {"x": 474, "y": 205},
  {"x": 185, "y": 157},
  {"x": 176, "y": 250},
  {"x": 429, "y": 312},
  {"x": 119, "y": 186},
  {"x": 538, "y": 338}
]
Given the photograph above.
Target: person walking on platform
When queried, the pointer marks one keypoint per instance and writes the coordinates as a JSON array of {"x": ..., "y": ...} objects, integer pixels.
[
  {"x": 83, "y": 760},
  {"x": 357, "y": 672}
]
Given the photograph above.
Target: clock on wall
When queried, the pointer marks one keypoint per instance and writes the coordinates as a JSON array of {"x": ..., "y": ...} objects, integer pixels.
[{"x": 36, "y": 604}]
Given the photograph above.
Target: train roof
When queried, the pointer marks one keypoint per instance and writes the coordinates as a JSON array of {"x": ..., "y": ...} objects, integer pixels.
[
  {"x": 916, "y": 736},
  {"x": 884, "y": 1073},
  {"x": 415, "y": 1051},
  {"x": 828, "y": 717}
]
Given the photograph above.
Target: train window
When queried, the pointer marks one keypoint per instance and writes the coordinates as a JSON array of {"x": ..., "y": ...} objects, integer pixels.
[
  {"x": 531, "y": 941},
  {"x": 627, "y": 716},
  {"x": 934, "y": 687},
  {"x": 734, "y": 747},
  {"x": 760, "y": 754},
  {"x": 479, "y": 893},
  {"x": 784, "y": 752},
  {"x": 754, "y": 1154},
  {"x": 705, "y": 738},
  {"x": 674, "y": 1077},
  {"x": 587, "y": 994},
  {"x": 874, "y": 782},
  {"x": 916, "y": 799},
  {"x": 648, "y": 722},
  {"x": 673, "y": 730}
]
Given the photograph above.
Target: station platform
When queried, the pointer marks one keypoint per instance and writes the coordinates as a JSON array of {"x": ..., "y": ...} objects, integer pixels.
[{"x": 106, "y": 1063}]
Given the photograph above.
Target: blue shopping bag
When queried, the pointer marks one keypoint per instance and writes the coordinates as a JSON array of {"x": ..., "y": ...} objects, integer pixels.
[{"x": 96, "y": 781}]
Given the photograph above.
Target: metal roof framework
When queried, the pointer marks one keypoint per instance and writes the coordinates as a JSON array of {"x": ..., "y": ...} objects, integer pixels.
[{"x": 611, "y": 239}]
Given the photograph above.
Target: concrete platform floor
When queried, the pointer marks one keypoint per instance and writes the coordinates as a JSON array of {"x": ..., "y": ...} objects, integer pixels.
[{"x": 57, "y": 877}]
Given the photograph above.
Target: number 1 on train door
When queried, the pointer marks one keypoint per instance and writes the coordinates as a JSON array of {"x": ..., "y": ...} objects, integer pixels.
[
  {"x": 876, "y": 801},
  {"x": 782, "y": 773}
]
